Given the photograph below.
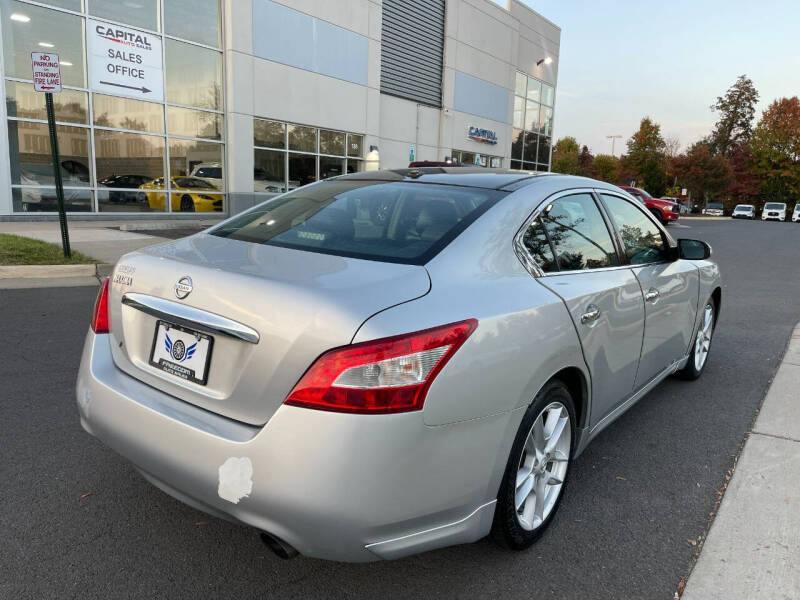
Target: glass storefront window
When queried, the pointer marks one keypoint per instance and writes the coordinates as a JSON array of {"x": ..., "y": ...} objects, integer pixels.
[
  {"x": 141, "y": 13},
  {"x": 28, "y": 28},
  {"x": 302, "y": 138},
  {"x": 355, "y": 166},
  {"x": 22, "y": 102},
  {"x": 516, "y": 143},
  {"x": 197, "y": 159},
  {"x": 126, "y": 113},
  {"x": 302, "y": 169},
  {"x": 530, "y": 153},
  {"x": 270, "y": 134},
  {"x": 75, "y": 5},
  {"x": 129, "y": 160},
  {"x": 331, "y": 167},
  {"x": 30, "y": 159},
  {"x": 193, "y": 75},
  {"x": 269, "y": 174},
  {"x": 531, "y": 116},
  {"x": 43, "y": 199},
  {"x": 193, "y": 20},
  {"x": 544, "y": 150},
  {"x": 546, "y": 121},
  {"x": 548, "y": 94},
  {"x": 194, "y": 123},
  {"x": 331, "y": 142},
  {"x": 519, "y": 112},
  {"x": 355, "y": 144},
  {"x": 520, "y": 84},
  {"x": 534, "y": 89}
]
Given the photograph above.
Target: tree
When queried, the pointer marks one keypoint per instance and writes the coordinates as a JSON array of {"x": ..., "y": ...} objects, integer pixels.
[
  {"x": 585, "y": 160},
  {"x": 565, "y": 156},
  {"x": 703, "y": 173},
  {"x": 646, "y": 144},
  {"x": 737, "y": 110},
  {"x": 606, "y": 168},
  {"x": 744, "y": 189},
  {"x": 775, "y": 146},
  {"x": 654, "y": 177}
]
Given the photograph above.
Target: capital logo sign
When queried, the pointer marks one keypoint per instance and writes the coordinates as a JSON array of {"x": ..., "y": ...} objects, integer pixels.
[{"x": 485, "y": 136}]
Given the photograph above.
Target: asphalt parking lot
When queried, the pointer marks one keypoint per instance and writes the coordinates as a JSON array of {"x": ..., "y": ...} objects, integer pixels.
[{"x": 78, "y": 521}]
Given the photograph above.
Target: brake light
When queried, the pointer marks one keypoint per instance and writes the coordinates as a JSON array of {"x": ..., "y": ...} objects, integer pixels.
[
  {"x": 388, "y": 375},
  {"x": 100, "y": 320}
]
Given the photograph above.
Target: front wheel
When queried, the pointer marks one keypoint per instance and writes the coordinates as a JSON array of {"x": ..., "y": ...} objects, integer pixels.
[
  {"x": 537, "y": 468},
  {"x": 659, "y": 217},
  {"x": 187, "y": 205},
  {"x": 702, "y": 345}
]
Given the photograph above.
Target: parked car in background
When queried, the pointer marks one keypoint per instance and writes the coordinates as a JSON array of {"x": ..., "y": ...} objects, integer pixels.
[
  {"x": 189, "y": 194},
  {"x": 211, "y": 173},
  {"x": 663, "y": 210},
  {"x": 774, "y": 211},
  {"x": 744, "y": 211},
  {"x": 714, "y": 209},
  {"x": 390, "y": 362},
  {"x": 796, "y": 213},
  {"x": 121, "y": 196}
]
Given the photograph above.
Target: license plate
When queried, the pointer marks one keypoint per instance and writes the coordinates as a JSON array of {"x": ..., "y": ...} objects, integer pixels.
[{"x": 181, "y": 352}]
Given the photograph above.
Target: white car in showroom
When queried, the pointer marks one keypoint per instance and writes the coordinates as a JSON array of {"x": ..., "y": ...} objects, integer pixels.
[{"x": 774, "y": 211}]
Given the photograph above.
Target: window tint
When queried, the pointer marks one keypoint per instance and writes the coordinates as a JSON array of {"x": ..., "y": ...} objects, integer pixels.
[
  {"x": 641, "y": 238},
  {"x": 578, "y": 234},
  {"x": 393, "y": 222}
]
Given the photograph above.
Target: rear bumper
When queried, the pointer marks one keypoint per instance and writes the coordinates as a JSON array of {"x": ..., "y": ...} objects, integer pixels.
[{"x": 334, "y": 486}]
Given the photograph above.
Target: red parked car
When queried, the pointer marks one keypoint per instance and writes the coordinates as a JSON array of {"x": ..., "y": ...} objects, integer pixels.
[{"x": 663, "y": 210}]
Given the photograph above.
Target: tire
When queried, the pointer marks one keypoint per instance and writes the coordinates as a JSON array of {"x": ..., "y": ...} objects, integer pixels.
[
  {"x": 659, "y": 217},
  {"x": 695, "y": 366},
  {"x": 517, "y": 525},
  {"x": 187, "y": 205}
]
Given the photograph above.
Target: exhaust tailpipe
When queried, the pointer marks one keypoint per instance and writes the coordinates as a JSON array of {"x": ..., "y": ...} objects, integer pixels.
[{"x": 278, "y": 546}]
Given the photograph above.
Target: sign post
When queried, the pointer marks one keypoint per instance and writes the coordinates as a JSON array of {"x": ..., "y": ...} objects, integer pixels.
[{"x": 47, "y": 78}]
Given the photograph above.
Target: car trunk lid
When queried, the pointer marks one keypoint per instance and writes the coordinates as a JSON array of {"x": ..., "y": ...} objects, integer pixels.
[{"x": 298, "y": 303}]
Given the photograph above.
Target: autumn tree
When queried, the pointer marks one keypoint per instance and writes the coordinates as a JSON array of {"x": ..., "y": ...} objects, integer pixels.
[
  {"x": 585, "y": 160},
  {"x": 775, "y": 146},
  {"x": 606, "y": 168},
  {"x": 737, "y": 110},
  {"x": 645, "y": 145},
  {"x": 565, "y": 156},
  {"x": 745, "y": 186},
  {"x": 705, "y": 174}
]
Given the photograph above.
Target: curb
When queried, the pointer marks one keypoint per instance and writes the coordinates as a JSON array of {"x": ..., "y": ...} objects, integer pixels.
[{"x": 56, "y": 271}]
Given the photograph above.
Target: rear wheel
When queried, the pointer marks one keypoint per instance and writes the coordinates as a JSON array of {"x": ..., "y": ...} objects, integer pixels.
[
  {"x": 702, "y": 344},
  {"x": 537, "y": 469},
  {"x": 187, "y": 205},
  {"x": 657, "y": 214}
]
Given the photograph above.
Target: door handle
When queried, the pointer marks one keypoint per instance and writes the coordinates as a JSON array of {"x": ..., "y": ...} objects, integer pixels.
[
  {"x": 591, "y": 315},
  {"x": 652, "y": 295}
]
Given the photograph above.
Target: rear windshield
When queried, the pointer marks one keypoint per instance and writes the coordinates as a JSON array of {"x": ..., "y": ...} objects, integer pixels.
[
  {"x": 774, "y": 206},
  {"x": 392, "y": 222},
  {"x": 717, "y": 205}
]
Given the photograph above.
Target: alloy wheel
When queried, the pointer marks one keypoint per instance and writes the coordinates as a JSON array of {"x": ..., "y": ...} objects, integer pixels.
[
  {"x": 543, "y": 466},
  {"x": 703, "y": 342}
]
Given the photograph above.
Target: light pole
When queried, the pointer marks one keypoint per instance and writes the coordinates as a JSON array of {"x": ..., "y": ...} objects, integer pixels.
[{"x": 613, "y": 139}]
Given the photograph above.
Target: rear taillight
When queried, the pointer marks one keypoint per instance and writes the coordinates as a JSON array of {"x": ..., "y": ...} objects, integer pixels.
[
  {"x": 388, "y": 375},
  {"x": 100, "y": 320}
]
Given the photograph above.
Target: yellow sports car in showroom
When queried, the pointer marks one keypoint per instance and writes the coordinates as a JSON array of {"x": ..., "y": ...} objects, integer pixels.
[{"x": 189, "y": 194}]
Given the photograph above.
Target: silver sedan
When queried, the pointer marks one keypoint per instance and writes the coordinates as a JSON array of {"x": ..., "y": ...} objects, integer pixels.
[{"x": 390, "y": 362}]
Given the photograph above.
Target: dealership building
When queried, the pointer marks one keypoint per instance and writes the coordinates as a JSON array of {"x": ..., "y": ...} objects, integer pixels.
[{"x": 208, "y": 106}]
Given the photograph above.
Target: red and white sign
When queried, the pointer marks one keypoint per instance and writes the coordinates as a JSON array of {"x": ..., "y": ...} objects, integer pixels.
[{"x": 46, "y": 72}]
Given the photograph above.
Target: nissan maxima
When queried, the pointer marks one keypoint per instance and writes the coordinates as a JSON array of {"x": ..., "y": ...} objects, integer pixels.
[{"x": 389, "y": 362}]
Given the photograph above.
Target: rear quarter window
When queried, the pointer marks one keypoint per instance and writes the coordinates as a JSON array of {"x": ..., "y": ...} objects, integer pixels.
[{"x": 392, "y": 222}]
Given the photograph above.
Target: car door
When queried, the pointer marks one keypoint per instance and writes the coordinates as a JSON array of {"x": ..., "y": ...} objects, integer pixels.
[
  {"x": 670, "y": 287},
  {"x": 572, "y": 244}
]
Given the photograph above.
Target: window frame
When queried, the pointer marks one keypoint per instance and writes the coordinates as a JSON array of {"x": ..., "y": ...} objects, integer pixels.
[{"x": 533, "y": 267}]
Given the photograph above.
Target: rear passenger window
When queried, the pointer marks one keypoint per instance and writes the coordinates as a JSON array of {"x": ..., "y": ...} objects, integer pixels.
[
  {"x": 641, "y": 238},
  {"x": 535, "y": 241},
  {"x": 577, "y": 234}
]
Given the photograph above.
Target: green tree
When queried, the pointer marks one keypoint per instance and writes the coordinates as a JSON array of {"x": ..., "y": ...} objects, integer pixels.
[
  {"x": 645, "y": 145},
  {"x": 565, "y": 156},
  {"x": 606, "y": 168},
  {"x": 775, "y": 148},
  {"x": 654, "y": 177},
  {"x": 585, "y": 160},
  {"x": 737, "y": 111}
]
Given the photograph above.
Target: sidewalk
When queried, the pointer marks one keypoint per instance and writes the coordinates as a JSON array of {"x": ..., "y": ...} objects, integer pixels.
[
  {"x": 102, "y": 240},
  {"x": 753, "y": 547}
]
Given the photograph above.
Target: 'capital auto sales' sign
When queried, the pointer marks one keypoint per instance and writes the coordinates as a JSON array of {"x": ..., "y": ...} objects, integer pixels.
[{"x": 125, "y": 61}]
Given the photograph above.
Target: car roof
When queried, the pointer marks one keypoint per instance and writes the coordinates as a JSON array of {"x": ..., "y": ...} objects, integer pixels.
[{"x": 464, "y": 176}]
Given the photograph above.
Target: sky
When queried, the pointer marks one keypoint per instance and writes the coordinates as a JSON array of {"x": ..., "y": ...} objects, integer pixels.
[{"x": 621, "y": 60}]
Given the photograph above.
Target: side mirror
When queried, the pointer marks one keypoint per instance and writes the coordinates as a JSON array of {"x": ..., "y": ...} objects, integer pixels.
[{"x": 693, "y": 250}]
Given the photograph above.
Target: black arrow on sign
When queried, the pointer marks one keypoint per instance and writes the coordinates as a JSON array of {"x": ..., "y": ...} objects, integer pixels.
[{"x": 130, "y": 87}]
